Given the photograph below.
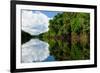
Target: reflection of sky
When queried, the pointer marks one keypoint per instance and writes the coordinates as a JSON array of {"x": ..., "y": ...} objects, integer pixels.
[
  {"x": 50, "y": 58},
  {"x": 35, "y": 51}
]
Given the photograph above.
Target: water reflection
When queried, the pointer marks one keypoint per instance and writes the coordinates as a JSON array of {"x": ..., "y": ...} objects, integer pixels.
[{"x": 35, "y": 50}]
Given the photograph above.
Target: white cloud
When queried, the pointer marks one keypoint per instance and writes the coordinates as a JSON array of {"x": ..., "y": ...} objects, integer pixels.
[
  {"x": 35, "y": 22},
  {"x": 35, "y": 50},
  {"x": 50, "y": 18}
]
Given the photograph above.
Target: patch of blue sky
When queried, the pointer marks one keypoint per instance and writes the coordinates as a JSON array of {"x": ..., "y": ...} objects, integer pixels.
[{"x": 50, "y": 14}]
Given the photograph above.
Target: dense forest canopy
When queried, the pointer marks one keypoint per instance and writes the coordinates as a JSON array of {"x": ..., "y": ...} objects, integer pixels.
[{"x": 66, "y": 22}]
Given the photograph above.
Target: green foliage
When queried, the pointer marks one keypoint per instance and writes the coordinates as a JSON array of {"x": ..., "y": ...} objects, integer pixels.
[
  {"x": 68, "y": 36},
  {"x": 77, "y": 52},
  {"x": 73, "y": 24}
]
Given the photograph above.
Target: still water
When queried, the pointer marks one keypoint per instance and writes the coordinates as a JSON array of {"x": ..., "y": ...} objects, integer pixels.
[{"x": 36, "y": 50}]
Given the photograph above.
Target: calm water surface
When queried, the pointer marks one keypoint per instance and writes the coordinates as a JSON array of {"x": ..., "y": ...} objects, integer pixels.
[{"x": 36, "y": 50}]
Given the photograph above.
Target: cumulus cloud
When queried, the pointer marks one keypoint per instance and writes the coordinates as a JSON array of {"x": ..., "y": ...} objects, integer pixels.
[
  {"x": 35, "y": 51},
  {"x": 34, "y": 22}
]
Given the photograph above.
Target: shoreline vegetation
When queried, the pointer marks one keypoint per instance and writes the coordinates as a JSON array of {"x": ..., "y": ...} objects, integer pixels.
[{"x": 68, "y": 36}]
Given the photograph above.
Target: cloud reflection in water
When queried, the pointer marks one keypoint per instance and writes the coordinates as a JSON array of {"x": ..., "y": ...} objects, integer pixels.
[{"x": 35, "y": 51}]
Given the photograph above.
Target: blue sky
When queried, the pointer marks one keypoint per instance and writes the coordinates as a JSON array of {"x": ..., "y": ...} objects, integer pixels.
[{"x": 50, "y": 14}]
